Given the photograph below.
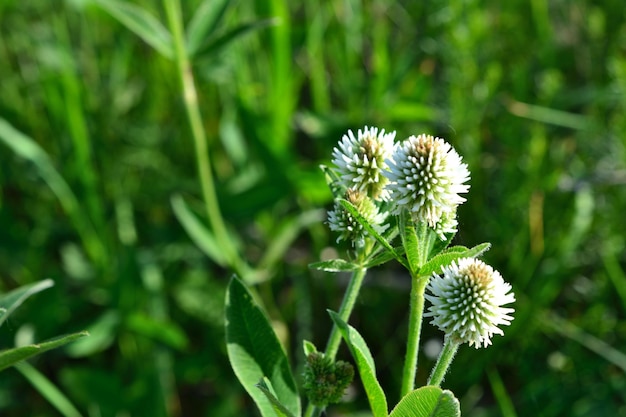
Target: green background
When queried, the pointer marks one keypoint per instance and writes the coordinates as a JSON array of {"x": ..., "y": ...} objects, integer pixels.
[{"x": 532, "y": 94}]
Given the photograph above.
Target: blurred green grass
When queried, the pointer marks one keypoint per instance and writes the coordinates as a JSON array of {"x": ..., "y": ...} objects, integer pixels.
[{"x": 532, "y": 94}]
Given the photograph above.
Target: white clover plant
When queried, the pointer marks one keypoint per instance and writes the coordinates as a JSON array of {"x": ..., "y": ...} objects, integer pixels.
[{"x": 394, "y": 201}]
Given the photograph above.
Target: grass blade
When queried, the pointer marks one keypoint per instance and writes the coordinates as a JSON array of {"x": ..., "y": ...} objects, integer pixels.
[
  {"x": 499, "y": 392},
  {"x": 10, "y": 357},
  {"x": 12, "y": 300},
  {"x": 215, "y": 45},
  {"x": 198, "y": 233},
  {"x": 571, "y": 331},
  {"x": 28, "y": 149},
  {"x": 141, "y": 23},
  {"x": 204, "y": 23},
  {"x": 48, "y": 390}
]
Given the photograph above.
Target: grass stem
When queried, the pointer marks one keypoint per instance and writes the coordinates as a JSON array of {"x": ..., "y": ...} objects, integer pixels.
[{"x": 190, "y": 98}]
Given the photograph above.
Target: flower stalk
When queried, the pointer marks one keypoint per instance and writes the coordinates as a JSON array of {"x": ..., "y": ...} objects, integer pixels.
[
  {"x": 347, "y": 305},
  {"x": 334, "y": 340},
  {"x": 450, "y": 347},
  {"x": 418, "y": 287}
]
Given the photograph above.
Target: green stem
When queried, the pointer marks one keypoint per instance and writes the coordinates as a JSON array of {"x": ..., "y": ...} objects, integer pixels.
[
  {"x": 345, "y": 310},
  {"x": 450, "y": 348},
  {"x": 190, "y": 98},
  {"x": 349, "y": 299},
  {"x": 418, "y": 288}
]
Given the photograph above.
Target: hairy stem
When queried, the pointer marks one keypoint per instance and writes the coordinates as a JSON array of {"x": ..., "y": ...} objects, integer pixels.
[
  {"x": 345, "y": 310},
  {"x": 418, "y": 287},
  {"x": 450, "y": 348}
]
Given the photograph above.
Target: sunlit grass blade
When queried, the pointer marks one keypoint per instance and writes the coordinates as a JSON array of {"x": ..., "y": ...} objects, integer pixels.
[
  {"x": 596, "y": 345},
  {"x": 281, "y": 97},
  {"x": 12, "y": 300},
  {"x": 48, "y": 390},
  {"x": 548, "y": 115},
  {"x": 10, "y": 357},
  {"x": 141, "y": 23}
]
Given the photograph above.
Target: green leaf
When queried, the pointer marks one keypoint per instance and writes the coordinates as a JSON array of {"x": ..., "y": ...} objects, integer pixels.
[
  {"x": 478, "y": 250},
  {"x": 457, "y": 248},
  {"x": 383, "y": 257},
  {"x": 198, "y": 233},
  {"x": 255, "y": 352},
  {"x": 167, "y": 332},
  {"x": 266, "y": 387},
  {"x": 334, "y": 265},
  {"x": 410, "y": 242},
  {"x": 428, "y": 402},
  {"x": 141, "y": 23},
  {"x": 48, "y": 390},
  {"x": 365, "y": 364},
  {"x": 13, "y": 299},
  {"x": 427, "y": 238},
  {"x": 11, "y": 356},
  {"x": 440, "y": 245},
  {"x": 384, "y": 243},
  {"x": 103, "y": 333},
  {"x": 308, "y": 347},
  {"x": 333, "y": 181},
  {"x": 215, "y": 45},
  {"x": 204, "y": 22},
  {"x": 451, "y": 254}
]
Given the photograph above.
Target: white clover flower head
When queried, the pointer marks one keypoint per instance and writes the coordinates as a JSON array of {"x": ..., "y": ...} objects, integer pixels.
[
  {"x": 360, "y": 160},
  {"x": 446, "y": 224},
  {"x": 426, "y": 177},
  {"x": 467, "y": 302},
  {"x": 340, "y": 220}
]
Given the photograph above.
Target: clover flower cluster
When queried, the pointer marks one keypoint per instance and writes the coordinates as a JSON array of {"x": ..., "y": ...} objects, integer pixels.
[
  {"x": 426, "y": 177},
  {"x": 467, "y": 302},
  {"x": 423, "y": 175}
]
